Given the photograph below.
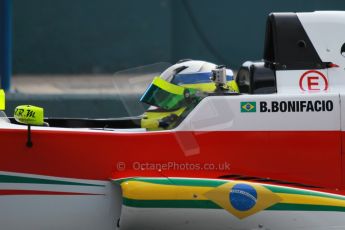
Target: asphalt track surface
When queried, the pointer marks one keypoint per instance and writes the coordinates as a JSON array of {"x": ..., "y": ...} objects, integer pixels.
[{"x": 80, "y": 84}]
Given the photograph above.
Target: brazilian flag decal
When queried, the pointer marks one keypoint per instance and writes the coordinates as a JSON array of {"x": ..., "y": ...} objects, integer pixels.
[
  {"x": 248, "y": 107},
  {"x": 242, "y": 199}
]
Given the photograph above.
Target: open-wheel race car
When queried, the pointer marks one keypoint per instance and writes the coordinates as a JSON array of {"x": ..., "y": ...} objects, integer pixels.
[{"x": 260, "y": 150}]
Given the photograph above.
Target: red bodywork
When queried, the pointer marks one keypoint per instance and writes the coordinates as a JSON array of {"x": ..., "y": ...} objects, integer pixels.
[{"x": 306, "y": 157}]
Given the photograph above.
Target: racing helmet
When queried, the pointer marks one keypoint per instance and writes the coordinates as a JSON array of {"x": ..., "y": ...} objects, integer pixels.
[
  {"x": 169, "y": 89},
  {"x": 194, "y": 74}
]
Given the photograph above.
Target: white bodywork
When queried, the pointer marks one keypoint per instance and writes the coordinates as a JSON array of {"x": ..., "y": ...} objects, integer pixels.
[
  {"x": 223, "y": 113},
  {"x": 100, "y": 209},
  {"x": 326, "y": 31},
  {"x": 205, "y": 219}
]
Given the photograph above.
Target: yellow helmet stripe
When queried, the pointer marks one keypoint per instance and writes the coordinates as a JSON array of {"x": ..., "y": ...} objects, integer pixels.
[
  {"x": 210, "y": 87},
  {"x": 167, "y": 86},
  {"x": 150, "y": 123}
]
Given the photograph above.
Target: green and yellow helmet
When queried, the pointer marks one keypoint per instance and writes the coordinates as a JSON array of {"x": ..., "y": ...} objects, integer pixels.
[{"x": 169, "y": 91}]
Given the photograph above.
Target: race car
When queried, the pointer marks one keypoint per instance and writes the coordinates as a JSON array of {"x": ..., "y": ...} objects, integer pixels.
[{"x": 262, "y": 150}]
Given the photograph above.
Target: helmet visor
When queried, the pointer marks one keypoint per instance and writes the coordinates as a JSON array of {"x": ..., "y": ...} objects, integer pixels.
[{"x": 163, "y": 94}]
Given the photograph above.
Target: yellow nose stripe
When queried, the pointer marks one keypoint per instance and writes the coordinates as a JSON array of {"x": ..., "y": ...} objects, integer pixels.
[{"x": 2, "y": 100}]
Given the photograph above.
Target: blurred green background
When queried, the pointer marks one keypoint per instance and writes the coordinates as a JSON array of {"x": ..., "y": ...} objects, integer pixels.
[
  {"x": 88, "y": 36},
  {"x": 63, "y": 49}
]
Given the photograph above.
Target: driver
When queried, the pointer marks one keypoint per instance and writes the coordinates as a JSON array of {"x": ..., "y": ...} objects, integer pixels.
[{"x": 179, "y": 89}]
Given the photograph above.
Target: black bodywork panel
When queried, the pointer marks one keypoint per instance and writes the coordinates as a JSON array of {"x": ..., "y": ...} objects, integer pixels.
[{"x": 287, "y": 45}]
